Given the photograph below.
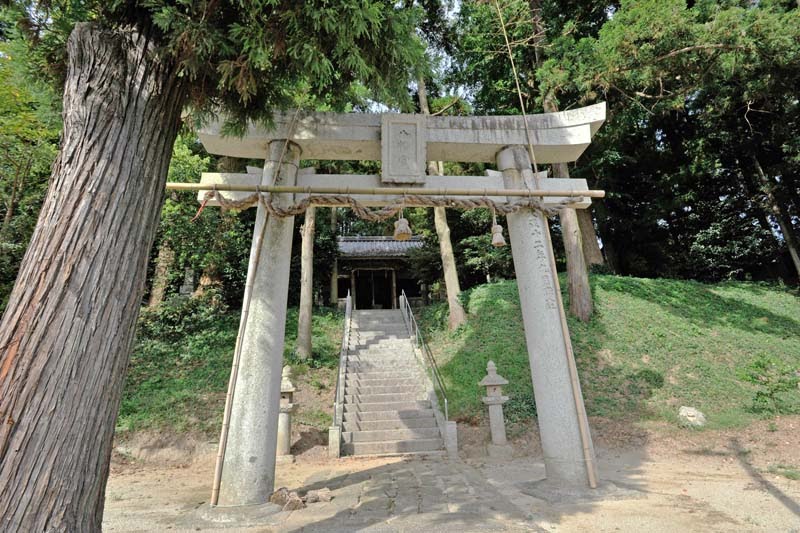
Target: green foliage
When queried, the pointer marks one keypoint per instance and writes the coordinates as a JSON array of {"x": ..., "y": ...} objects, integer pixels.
[
  {"x": 248, "y": 58},
  {"x": 29, "y": 127},
  {"x": 180, "y": 317},
  {"x": 326, "y": 325},
  {"x": 652, "y": 346},
  {"x": 216, "y": 243},
  {"x": 181, "y": 363},
  {"x": 694, "y": 92},
  {"x": 776, "y": 383}
]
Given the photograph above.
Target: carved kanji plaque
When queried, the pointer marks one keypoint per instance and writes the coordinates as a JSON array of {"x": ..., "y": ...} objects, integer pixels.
[{"x": 403, "y": 148}]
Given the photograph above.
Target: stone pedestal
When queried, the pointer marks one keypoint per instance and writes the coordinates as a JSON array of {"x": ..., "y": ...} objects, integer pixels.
[
  {"x": 558, "y": 413},
  {"x": 248, "y": 472}
]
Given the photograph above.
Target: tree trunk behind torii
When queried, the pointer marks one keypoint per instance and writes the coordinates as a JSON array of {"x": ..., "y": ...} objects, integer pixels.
[{"x": 457, "y": 316}]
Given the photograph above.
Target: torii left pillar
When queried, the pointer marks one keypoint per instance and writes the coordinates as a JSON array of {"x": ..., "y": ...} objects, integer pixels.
[{"x": 248, "y": 471}]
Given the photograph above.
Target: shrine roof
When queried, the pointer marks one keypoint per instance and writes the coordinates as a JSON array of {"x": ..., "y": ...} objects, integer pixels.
[{"x": 373, "y": 247}]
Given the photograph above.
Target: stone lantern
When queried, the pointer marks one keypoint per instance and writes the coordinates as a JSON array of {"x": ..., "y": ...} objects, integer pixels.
[
  {"x": 499, "y": 448},
  {"x": 284, "y": 448}
]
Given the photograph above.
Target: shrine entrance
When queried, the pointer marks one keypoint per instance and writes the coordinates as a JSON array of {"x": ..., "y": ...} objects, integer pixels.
[
  {"x": 245, "y": 471},
  {"x": 374, "y": 289}
]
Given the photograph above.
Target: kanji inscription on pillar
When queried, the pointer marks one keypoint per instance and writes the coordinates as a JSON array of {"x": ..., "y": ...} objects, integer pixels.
[{"x": 403, "y": 148}]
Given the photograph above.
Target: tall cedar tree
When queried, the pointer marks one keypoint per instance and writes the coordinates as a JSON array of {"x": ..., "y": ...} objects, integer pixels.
[{"x": 129, "y": 71}]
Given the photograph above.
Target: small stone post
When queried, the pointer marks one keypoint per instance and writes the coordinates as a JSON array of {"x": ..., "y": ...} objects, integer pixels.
[
  {"x": 499, "y": 448},
  {"x": 284, "y": 448}
]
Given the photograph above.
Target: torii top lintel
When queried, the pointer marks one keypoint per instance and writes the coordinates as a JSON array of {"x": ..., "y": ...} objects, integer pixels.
[{"x": 556, "y": 137}]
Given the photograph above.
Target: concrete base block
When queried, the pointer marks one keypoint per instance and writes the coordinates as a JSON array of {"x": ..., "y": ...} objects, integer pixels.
[
  {"x": 284, "y": 459},
  {"x": 334, "y": 442},
  {"x": 499, "y": 451},
  {"x": 451, "y": 438},
  {"x": 241, "y": 516},
  {"x": 558, "y": 493}
]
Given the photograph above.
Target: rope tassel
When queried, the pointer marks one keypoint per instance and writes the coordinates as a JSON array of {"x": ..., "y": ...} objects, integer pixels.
[
  {"x": 402, "y": 229},
  {"x": 498, "y": 241}
]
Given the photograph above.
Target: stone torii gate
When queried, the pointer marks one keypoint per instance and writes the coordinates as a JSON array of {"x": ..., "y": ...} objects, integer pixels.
[{"x": 403, "y": 143}]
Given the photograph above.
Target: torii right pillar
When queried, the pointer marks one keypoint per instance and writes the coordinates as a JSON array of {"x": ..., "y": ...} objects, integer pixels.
[{"x": 566, "y": 443}]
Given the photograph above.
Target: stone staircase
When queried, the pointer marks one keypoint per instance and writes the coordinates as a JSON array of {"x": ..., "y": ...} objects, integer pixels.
[{"x": 386, "y": 402}]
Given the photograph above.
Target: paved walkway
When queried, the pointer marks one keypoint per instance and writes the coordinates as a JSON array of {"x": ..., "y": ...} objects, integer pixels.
[
  {"x": 375, "y": 495},
  {"x": 683, "y": 490}
]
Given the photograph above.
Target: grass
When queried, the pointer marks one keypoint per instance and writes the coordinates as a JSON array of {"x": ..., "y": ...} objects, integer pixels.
[
  {"x": 787, "y": 471},
  {"x": 652, "y": 346},
  {"x": 179, "y": 370}
]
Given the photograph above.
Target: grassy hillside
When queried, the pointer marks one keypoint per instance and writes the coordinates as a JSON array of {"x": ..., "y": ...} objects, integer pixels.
[
  {"x": 179, "y": 370},
  {"x": 652, "y": 346}
]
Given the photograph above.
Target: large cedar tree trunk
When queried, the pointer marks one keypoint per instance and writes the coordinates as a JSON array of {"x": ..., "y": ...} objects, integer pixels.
[
  {"x": 306, "y": 285},
  {"x": 66, "y": 336},
  {"x": 457, "y": 316},
  {"x": 591, "y": 248},
  {"x": 580, "y": 292}
]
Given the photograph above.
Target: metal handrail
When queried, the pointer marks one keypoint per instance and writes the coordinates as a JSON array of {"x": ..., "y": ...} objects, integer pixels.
[
  {"x": 337, "y": 414},
  {"x": 419, "y": 340}
]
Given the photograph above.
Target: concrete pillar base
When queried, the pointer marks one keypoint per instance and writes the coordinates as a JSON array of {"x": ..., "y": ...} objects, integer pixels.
[
  {"x": 499, "y": 451},
  {"x": 334, "y": 442},
  {"x": 451, "y": 438}
]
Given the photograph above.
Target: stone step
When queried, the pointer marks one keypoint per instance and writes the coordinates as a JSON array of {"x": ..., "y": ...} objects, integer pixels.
[
  {"x": 389, "y": 325},
  {"x": 380, "y": 346},
  {"x": 403, "y": 446},
  {"x": 401, "y": 423},
  {"x": 353, "y": 383},
  {"x": 400, "y": 337},
  {"x": 410, "y": 405},
  {"x": 361, "y": 367},
  {"x": 383, "y": 397},
  {"x": 399, "y": 388},
  {"x": 406, "y": 348},
  {"x": 382, "y": 359},
  {"x": 390, "y": 435},
  {"x": 374, "y": 416},
  {"x": 380, "y": 375}
]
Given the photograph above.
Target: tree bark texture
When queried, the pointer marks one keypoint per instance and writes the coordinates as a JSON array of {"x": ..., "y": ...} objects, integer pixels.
[
  {"x": 457, "y": 316},
  {"x": 66, "y": 336},
  {"x": 580, "y": 292},
  {"x": 306, "y": 285},
  {"x": 780, "y": 213},
  {"x": 591, "y": 248},
  {"x": 164, "y": 261}
]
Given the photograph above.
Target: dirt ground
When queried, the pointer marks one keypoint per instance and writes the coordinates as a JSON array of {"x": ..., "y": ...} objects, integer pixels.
[{"x": 654, "y": 478}]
